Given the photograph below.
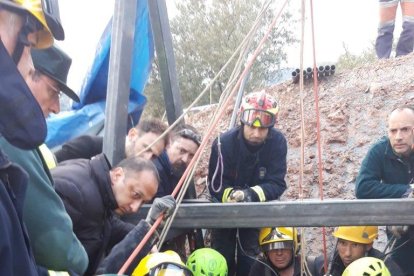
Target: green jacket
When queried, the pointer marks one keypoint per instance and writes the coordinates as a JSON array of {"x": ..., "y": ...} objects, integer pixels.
[
  {"x": 50, "y": 230},
  {"x": 383, "y": 174}
]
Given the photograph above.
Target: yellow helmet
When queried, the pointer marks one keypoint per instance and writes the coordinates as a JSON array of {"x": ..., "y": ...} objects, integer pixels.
[
  {"x": 359, "y": 234},
  {"x": 367, "y": 266},
  {"x": 46, "y": 12},
  {"x": 162, "y": 263},
  {"x": 278, "y": 238}
]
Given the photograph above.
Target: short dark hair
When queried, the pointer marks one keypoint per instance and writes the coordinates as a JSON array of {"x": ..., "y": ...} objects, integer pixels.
[
  {"x": 137, "y": 164},
  {"x": 153, "y": 125},
  {"x": 188, "y": 132}
]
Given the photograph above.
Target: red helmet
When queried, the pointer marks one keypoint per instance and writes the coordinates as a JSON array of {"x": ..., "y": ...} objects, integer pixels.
[{"x": 259, "y": 110}]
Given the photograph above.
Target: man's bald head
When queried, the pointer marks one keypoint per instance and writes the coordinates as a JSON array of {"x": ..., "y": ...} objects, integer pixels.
[{"x": 401, "y": 130}]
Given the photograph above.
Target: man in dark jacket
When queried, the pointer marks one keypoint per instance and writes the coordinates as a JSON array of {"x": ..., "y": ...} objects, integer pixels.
[
  {"x": 247, "y": 164},
  {"x": 22, "y": 25},
  {"x": 171, "y": 165},
  {"x": 92, "y": 192},
  {"x": 387, "y": 172},
  {"x": 136, "y": 143},
  {"x": 279, "y": 246},
  {"x": 354, "y": 242}
]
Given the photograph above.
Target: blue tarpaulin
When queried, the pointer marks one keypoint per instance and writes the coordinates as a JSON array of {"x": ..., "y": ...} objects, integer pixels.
[{"x": 90, "y": 112}]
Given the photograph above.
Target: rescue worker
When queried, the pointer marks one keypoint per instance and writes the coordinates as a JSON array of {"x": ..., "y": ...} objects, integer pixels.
[
  {"x": 387, "y": 12},
  {"x": 280, "y": 247},
  {"x": 207, "y": 261},
  {"x": 49, "y": 226},
  {"x": 353, "y": 243},
  {"x": 247, "y": 164},
  {"x": 162, "y": 263},
  {"x": 367, "y": 266},
  {"x": 386, "y": 172},
  {"x": 23, "y": 24},
  {"x": 136, "y": 141}
]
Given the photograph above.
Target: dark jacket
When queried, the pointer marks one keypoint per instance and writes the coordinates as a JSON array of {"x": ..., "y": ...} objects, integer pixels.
[
  {"x": 385, "y": 175},
  {"x": 15, "y": 251},
  {"x": 337, "y": 267},
  {"x": 266, "y": 167},
  {"x": 49, "y": 226},
  {"x": 259, "y": 269},
  {"x": 85, "y": 187},
  {"x": 121, "y": 252},
  {"x": 168, "y": 180},
  {"x": 85, "y": 146}
]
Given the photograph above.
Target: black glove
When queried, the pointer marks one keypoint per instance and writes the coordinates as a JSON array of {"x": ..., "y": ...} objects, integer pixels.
[
  {"x": 246, "y": 195},
  {"x": 161, "y": 205}
]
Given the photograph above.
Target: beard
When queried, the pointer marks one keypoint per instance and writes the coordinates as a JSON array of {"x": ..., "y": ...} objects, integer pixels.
[{"x": 178, "y": 168}]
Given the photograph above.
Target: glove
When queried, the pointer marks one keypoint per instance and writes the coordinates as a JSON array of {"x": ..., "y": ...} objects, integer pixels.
[
  {"x": 161, "y": 205},
  {"x": 398, "y": 230},
  {"x": 245, "y": 195}
]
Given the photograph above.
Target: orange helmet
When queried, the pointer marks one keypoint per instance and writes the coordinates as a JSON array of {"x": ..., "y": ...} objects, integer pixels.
[{"x": 258, "y": 109}]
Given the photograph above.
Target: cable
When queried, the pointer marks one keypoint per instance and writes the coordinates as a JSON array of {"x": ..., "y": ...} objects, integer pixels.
[{"x": 251, "y": 257}]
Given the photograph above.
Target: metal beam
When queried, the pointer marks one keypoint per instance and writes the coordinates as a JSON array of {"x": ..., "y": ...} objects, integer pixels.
[
  {"x": 119, "y": 75},
  {"x": 303, "y": 214},
  {"x": 165, "y": 54}
]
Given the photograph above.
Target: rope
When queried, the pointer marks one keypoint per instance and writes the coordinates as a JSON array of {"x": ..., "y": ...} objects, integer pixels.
[
  {"x": 318, "y": 129},
  {"x": 205, "y": 140},
  {"x": 219, "y": 164}
]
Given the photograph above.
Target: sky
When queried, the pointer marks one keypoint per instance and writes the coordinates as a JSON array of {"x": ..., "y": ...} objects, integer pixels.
[{"x": 337, "y": 22}]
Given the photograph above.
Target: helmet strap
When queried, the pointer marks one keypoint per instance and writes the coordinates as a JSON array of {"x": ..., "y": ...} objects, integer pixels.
[{"x": 30, "y": 25}]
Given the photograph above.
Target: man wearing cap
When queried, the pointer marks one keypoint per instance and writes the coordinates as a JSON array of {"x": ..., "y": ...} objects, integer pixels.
[
  {"x": 247, "y": 164},
  {"x": 54, "y": 244},
  {"x": 22, "y": 24},
  {"x": 353, "y": 243}
]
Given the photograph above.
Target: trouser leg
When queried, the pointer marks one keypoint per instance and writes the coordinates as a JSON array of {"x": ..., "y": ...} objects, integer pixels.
[
  {"x": 249, "y": 240},
  {"x": 383, "y": 43},
  {"x": 224, "y": 241},
  {"x": 406, "y": 42}
]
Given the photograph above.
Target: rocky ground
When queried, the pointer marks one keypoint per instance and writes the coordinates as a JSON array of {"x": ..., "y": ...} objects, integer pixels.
[{"x": 353, "y": 108}]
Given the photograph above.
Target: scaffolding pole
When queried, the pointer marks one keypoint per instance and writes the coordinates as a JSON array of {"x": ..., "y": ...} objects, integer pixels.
[
  {"x": 300, "y": 214},
  {"x": 119, "y": 76}
]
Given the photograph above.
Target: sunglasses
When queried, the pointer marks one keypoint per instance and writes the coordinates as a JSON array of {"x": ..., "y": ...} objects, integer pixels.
[{"x": 258, "y": 118}]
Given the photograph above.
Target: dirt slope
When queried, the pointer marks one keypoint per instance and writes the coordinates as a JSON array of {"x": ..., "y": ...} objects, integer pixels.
[{"x": 353, "y": 107}]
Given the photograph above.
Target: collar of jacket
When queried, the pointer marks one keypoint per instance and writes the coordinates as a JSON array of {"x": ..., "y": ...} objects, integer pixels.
[
  {"x": 101, "y": 168},
  {"x": 165, "y": 162},
  {"x": 22, "y": 122}
]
